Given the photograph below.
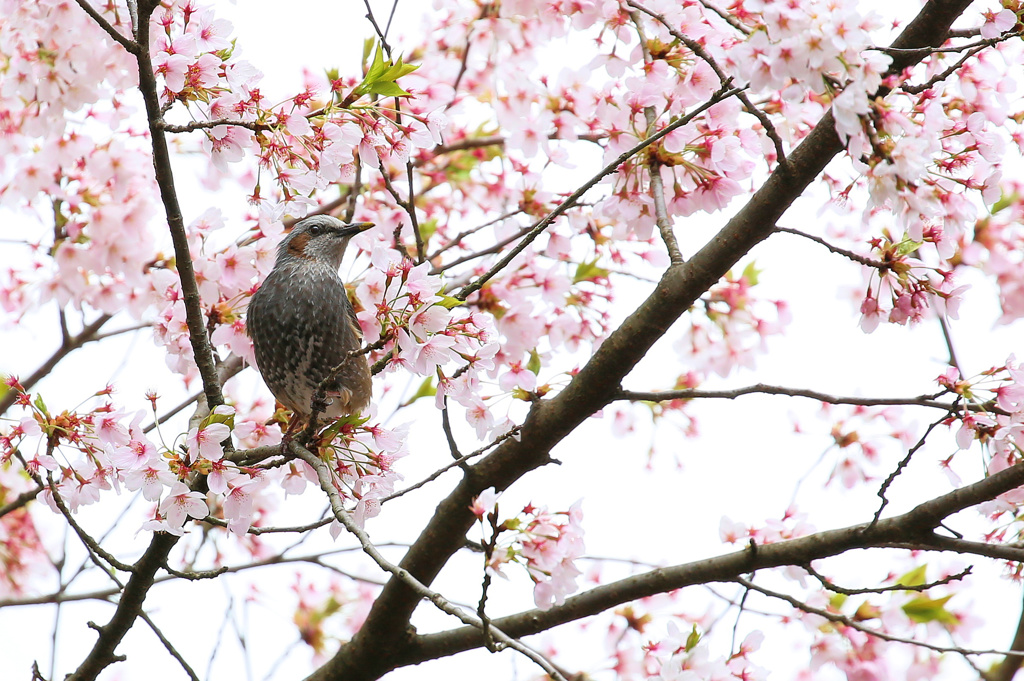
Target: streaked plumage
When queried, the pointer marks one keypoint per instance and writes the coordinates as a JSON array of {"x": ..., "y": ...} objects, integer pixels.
[{"x": 302, "y": 324}]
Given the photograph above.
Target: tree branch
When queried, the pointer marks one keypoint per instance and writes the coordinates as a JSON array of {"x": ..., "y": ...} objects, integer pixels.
[
  {"x": 877, "y": 264},
  {"x": 323, "y": 474},
  {"x": 1007, "y": 669},
  {"x": 765, "y": 389},
  {"x": 912, "y": 530},
  {"x": 854, "y": 624},
  {"x": 129, "y": 606},
  {"x": 102, "y": 22},
  {"x": 661, "y": 218},
  {"x": 382, "y": 641}
]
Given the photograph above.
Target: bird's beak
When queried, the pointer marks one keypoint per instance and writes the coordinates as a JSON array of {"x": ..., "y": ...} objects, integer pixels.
[{"x": 355, "y": 228}]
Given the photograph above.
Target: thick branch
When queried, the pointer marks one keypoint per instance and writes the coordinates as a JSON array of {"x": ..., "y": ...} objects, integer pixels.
[
  {"x": 382, "y": 641},
  {"x": 910, "y": 530},
  {"x": 194, "y": 317},
  {"x": 129, "y": 606},
  {"x": 1008, "y": 668},
  {"x": 323, "y": 474}
]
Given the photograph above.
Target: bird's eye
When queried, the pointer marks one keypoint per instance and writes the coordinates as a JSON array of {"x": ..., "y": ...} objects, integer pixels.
[{"x": 316, "y": 230}]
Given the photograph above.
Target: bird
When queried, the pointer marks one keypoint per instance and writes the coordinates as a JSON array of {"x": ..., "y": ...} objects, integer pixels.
[{"x": 303, "y": 326}]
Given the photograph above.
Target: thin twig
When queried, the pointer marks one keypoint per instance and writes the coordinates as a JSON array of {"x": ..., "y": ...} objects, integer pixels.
[
  {"x": 94, "y": 549},
  {"x": 353, "y": 191},
  {"x": 19, "y": 501},
  {"x": 457, "y": 239},
  {"x": 924, "y": 51},
  {"x": 101, "y": 21},
  {"x": 728, "y": 18},
  {"x": 381, "y": 35},
  {"x": 661, "y": 217},
  {"x": 877, "y": 264},
  {"x": 765, "y": 389},
  {"x": 204, "y": 125},
  {"x": 831, "y": 586},
  {"x": 853, "y": 624},
  {"x": 458, "y": 462},
  {"x": 168, "y": 646},
  {"x": 446, "y": 425},
  {"x": 948, "y": 337},
  {"x": 411, "y": 210},
  {"x": 464, "y": 61},
  {"x": 899, "y": 469},
  {"x": 939, "y": 77}
]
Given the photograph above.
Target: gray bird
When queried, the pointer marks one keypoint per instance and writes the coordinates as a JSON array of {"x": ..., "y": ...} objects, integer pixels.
[{"x": 302, "y": 324}]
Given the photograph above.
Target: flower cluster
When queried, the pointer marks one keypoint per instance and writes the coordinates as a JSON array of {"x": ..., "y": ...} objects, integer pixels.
[
  {"x": 992, "y": 413},
  {"x": 546, "y": 543},
  {"x": 917, "y": 611},
  {"x": 791, "y": 525},
  {"x": 689, "y": 658},
  {"x": 997, "y": 248},
  {"x": 311, "y": 140},
  {"x": 729, "y": 326},
  {"x": 78, "y": 456},
  {"x": 906, "y": 289},
  {"x": 21, "y": 547},
  {"x": 361, "y": 459}
]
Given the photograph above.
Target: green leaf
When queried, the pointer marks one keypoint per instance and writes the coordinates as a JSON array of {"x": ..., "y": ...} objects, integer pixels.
[
  {"x": 426, "y": 389},
  {"x": 397, "y": 70},
  {"x": 227, "y": 419},
  {"x": 382, "y": 74},
  {"x": 924, "y": 609},
  {"x": 40, "y": 405},
  {"x": 1004, "y": 202},
  {"x": 332, "y": 431},
  {"x": 449, "y": 302},
  {"x": 915, "y": 577},
  {"x": 693, "y": 639},
  {"x": 534, "y": 363},
  {"x": 751, "y": 273},
  {"x": 907, "y": 246},
  {"x": 377, "y": 68},
  {"x": 386, "y": 89},
  {"x": 589, "y": 271}
]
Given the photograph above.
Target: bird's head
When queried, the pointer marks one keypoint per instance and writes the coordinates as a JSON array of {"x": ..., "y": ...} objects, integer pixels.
[{"x": 320, "y": 238}]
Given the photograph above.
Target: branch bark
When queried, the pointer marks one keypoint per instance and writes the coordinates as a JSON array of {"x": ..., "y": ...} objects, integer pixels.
[
  {"x": 129, "y": 606},
  {"x": 911, "y": 530},
  {"x": 385, "y": 639}
]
